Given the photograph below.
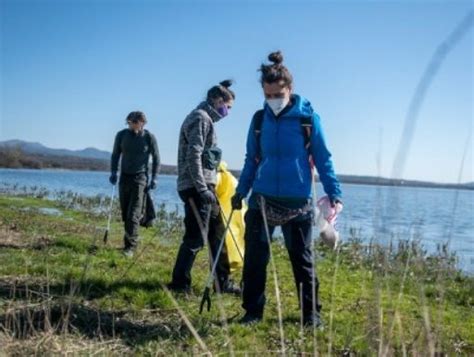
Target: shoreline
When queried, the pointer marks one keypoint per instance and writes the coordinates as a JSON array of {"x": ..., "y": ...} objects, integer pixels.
[
  {"x": 82, "y": 203},
  {"x": 344, "y": 179}
]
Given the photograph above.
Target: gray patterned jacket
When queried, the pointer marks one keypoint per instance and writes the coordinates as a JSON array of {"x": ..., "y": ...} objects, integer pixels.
[{"x": 196, "y": 136}]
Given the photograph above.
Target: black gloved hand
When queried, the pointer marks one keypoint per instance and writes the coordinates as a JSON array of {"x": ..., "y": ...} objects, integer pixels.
[
  {"x": 335, "y": 201},
  {"x": 207, "y": 197},
  {"x": 113, "y": 178},
  {"x": 236, "y": 201},
  {"x": 153, "y": 182}
]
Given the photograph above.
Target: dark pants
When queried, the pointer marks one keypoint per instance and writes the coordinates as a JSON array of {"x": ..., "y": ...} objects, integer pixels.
[
  {"x": 193, "y": 241},
  {"x": 297, "y": 234},
  {"x": 132, "y": 193}
]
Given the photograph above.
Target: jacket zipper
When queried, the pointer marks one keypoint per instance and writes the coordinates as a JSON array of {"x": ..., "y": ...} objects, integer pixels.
[
  {"x": 298, "y": 167},
  {"x": 278, "y": 154},
  {"x": 260, "y": 167}
]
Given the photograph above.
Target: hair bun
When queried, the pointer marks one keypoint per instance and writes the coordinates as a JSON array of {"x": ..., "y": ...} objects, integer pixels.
[
  {"x": 227, "y": 83},
  {"x": 276, "y": 57}
]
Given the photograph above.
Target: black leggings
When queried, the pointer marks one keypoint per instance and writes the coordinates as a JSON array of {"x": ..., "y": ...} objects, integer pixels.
[
  {"x": 297, "y": 234},
  {"x": 193, "y": 241}
]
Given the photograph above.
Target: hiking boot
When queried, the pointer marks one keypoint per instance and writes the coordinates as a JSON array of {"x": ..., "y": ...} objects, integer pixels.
[
  {"x": 178, "y": 288},
  {"x": 250, "y": 319},
  {"x": 229, "y": 287},
  {"x": 128, "y": 252},
  {"x": 313, "y": 321}
]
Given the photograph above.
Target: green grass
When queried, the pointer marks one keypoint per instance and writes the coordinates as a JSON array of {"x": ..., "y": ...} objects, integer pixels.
[{"x": 62, "y": 290}]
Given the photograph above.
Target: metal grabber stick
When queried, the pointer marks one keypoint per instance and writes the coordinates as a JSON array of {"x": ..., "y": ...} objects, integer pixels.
[
  {"x": 275, "y": 276},
  {"x": 313, "y": 265},
  {"x": 106, "y": 234},
  {"x": 206, "y": 295},
  {"x": 232, "y": 235}
]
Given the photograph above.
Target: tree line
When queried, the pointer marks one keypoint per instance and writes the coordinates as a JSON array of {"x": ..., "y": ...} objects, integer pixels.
[{"x": 17, "y": 158}]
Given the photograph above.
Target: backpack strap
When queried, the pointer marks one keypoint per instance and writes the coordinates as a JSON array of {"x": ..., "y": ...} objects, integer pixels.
[
  {"x": 257, "y": 129},
  {"x": 306, "y": 127},
  {"x": 148, "y": 138},
  {"x": 147, "y": 135}
]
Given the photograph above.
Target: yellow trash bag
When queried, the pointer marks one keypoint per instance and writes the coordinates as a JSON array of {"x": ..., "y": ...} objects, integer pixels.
[{"x": 225, "y": 189}]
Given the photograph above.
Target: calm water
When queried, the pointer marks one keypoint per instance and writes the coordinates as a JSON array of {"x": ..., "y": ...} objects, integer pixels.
[{"x": 433, "y": 216}]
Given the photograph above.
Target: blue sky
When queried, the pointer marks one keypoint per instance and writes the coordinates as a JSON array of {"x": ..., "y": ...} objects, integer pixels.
[{"x": 72, "y": 70}]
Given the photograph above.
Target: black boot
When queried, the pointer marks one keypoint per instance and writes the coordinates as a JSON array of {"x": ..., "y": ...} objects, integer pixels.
[
  {"x": 250, "y": 319},
  {"x": 230, "y": 287},
  {"x": 178, "y": 288},
  {"x": 313, "y": 321}
]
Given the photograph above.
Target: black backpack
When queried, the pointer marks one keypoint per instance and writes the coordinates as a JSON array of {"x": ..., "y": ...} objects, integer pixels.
[{"x": 306, "y": 128}]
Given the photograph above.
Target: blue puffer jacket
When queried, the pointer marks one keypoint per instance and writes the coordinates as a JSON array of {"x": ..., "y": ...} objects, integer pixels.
[{"x": 284, "y": 170}]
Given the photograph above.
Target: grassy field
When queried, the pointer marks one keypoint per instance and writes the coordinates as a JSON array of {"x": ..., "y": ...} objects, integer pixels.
[{"x": 62, "y": 291}]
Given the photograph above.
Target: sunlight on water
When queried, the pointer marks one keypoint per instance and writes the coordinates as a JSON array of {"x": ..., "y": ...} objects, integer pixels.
[{"x": 374, "y": 213}]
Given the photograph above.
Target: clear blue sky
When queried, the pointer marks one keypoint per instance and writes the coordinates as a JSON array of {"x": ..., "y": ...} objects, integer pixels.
[{"x": 72, "y": 70}]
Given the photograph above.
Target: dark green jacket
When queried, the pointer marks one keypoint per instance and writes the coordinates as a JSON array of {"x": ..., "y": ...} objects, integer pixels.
[{"x": 135, "y": 151}]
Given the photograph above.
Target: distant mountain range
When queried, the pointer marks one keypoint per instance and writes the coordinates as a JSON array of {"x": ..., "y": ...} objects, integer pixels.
[
  {"x": 25, "y": 154},
  {"x": 40, "y": 149}
]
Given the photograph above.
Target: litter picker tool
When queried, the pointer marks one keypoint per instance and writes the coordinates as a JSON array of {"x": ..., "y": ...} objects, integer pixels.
[
  {"x": 206, "y": 296},
  {"x": 106, "y": 234}
]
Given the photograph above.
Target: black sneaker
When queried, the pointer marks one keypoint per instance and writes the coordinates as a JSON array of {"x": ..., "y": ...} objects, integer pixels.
[
  {"x": 178, "y": 288},
  {"x": 250, "y": 319},
  {"x": 229, "y": 287},
  {"x": 313, "y": 321}
]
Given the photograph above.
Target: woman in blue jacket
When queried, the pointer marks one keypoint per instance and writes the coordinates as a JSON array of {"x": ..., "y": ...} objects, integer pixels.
[{"x": 283, "y": 139}]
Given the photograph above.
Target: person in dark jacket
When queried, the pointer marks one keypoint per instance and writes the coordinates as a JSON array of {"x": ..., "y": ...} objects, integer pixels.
[
  {"x": 198, "y": 159},
  {"x": 134, "y": 146},
  {"x": 277, "y": 169}
]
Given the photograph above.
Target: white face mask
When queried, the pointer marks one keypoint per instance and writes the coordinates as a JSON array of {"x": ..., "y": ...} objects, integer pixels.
[{"x": 278, "y": 104}]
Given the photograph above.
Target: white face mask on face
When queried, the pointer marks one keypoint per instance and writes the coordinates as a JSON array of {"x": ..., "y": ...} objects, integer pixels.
[{"x": 278, "y": 104}]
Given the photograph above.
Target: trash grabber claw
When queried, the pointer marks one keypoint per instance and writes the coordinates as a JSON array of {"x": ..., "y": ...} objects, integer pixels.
[{"x": 206, "y": 298}]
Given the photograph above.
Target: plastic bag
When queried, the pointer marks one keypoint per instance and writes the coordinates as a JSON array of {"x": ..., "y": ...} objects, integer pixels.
[{"x": 326, "y": 217}]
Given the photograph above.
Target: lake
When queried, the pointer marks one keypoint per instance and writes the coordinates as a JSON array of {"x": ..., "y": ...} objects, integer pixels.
[{"x": 432, "y": 216}]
